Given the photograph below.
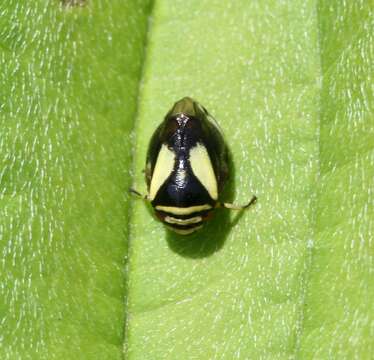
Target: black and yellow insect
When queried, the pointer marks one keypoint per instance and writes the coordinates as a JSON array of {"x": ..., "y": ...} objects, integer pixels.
[{"x": 186, "y": 168}]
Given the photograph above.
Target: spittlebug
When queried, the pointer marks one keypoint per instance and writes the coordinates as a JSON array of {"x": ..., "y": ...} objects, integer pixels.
[{"x": 186, "y": 168}]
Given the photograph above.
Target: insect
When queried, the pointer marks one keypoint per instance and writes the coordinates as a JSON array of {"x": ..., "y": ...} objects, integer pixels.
[{"x": 186, "y": 168}]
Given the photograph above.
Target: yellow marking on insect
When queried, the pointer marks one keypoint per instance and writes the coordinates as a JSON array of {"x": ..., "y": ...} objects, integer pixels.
[
  {"x": 163, "y": 168},
  {"x": 193, "y": 220},
  {"x": 185, "y": 231},
  {"x": 183, "y": 210},
  {"x": 203, "y": 169}
]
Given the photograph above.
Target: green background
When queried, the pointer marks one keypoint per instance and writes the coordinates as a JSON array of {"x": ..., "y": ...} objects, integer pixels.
[{"x": 85, "y": 270}]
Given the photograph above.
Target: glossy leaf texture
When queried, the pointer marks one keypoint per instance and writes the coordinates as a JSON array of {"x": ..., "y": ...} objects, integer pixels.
[{"x": 87, "y": 272}]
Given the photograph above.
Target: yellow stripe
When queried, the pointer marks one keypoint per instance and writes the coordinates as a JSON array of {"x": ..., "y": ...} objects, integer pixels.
[
  {"x": 203, "y": 169},
  {"x": 185, "y": 232},
  {"x": 183, "y": 210},
  {"x": 163, "y": 168},
  {"x": 193, "y": 220}
]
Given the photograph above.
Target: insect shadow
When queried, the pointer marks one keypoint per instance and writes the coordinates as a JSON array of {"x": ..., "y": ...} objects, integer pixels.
[{"x": 212, "y": 236}]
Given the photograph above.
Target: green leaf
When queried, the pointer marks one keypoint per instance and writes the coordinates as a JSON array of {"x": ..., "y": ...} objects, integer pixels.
[
  {"x": 339, "y": 311},
  {"x": 290, "y": 84},
  {"x": 292, "y": 278},
  {"x": 68, "y": 93}
]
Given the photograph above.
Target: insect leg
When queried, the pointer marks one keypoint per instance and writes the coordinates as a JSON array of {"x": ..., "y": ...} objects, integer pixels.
[
  {"x": 238, "y": 207},
  {"x": 137, "y": 193}
]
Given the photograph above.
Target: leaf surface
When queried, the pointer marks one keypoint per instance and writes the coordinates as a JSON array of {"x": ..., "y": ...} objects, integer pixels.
[
  {"x": 83, "y": 85},
  {"x": 68, "y": 93}
]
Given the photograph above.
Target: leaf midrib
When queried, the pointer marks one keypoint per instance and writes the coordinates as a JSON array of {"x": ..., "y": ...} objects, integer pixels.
[{"x": 132, "y": 163}]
